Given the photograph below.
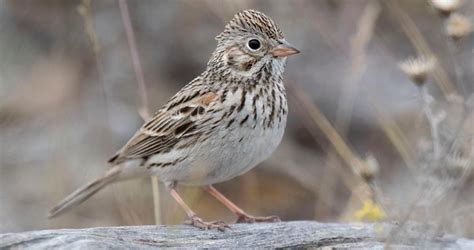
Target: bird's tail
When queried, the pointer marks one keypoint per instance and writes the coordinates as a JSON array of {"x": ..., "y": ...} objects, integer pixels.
[{"x": 86, "y": 191}]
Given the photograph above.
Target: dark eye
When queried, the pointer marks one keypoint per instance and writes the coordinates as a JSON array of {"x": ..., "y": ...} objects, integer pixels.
[{"x": 254, "y": 44}]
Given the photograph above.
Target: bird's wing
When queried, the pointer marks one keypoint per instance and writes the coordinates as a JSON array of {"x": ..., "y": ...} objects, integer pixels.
[{"x": 181, "y": 118}]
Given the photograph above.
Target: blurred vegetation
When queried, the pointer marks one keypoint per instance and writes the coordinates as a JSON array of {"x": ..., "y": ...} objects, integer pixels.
[{"x": 360, "y": 141}]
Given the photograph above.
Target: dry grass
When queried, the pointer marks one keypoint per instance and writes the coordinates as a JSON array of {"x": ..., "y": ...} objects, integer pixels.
[{"x": 143, "y": 109}]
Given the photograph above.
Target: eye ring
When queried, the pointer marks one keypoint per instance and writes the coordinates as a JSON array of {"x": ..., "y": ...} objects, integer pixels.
[{"x": 254, "y": 44}]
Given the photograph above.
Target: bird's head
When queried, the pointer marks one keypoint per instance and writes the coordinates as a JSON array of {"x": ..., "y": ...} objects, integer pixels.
[{"x": 251, "y": 41}]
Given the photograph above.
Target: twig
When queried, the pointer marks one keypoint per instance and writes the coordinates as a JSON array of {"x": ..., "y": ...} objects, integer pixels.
[
  {"x": 433, "y": 120},
  {"x": 454, "y": 51},
  {"x": 137, "y": 67},
  {"x": 143, "y": 110},
  {"x": 85, "y": 11},
  {"x": 359, "y": 43}
]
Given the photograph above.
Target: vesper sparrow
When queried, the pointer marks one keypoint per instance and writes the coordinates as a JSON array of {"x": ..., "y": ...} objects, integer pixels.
[{"x": 220, "y": 125}]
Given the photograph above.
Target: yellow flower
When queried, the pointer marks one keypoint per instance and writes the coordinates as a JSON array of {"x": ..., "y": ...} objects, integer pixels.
[{"x": 370, "y": 211}]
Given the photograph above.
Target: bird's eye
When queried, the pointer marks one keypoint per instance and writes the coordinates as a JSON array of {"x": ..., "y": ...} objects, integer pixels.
[{"x": 254, "y": 44}]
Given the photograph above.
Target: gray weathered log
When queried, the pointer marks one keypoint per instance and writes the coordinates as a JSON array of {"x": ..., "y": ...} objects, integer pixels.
[{"x": 284, "y": 234}]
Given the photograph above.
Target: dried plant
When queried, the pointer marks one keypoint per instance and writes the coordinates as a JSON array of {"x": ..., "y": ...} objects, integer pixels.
[
  {"x": 446, "y": 6},
  {"x": 458, "y": 26},
  {"x": 143, "y": 110},
  {"x": 443, "y": 162},
  {"x": 418, "y": 69}
]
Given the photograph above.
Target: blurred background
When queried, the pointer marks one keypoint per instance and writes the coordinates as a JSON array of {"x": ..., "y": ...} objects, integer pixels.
[{"x": 357, "y": 145}]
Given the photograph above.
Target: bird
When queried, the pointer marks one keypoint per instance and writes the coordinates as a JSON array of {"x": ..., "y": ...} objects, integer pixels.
[{"x": 220, "y": 125}]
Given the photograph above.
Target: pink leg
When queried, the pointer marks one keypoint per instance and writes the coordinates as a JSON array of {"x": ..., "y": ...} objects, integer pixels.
[
  {"x": 242, "y": 216},
  {"x": 194, "y": 220}
]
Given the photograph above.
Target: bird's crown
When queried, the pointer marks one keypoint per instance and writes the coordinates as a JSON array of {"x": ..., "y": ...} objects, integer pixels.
[{"x": 251, "y": 21}]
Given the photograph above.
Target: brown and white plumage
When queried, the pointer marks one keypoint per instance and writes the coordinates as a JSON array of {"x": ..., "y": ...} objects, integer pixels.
[
  {"x": 220, "y": 125},
  {"x": 172, "y": 126}
]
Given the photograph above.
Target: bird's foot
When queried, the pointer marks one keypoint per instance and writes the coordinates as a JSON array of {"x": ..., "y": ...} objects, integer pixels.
[
  {"x": 199, "y": 223},
  {"x": 245, "y": 218}
]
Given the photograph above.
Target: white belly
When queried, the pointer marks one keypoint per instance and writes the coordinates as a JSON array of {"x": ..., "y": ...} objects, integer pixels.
[{"x": 228, "y": 154}]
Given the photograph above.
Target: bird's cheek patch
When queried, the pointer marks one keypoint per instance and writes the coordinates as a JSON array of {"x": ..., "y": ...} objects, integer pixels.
[{"x": 239, "y": 61}]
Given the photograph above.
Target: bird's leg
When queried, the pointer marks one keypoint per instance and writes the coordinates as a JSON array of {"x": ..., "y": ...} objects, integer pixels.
[
  {"x": 194, "y": 220},
  {"x": 242, "y": 216}
]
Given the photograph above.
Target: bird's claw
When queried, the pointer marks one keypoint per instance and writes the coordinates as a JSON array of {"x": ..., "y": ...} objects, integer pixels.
[
  {"x": 199, "y": 223},
  {"x": 245, "y": 218}
]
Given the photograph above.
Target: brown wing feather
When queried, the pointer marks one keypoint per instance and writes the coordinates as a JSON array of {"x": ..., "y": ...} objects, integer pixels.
[{"x": 181, "y": 117}]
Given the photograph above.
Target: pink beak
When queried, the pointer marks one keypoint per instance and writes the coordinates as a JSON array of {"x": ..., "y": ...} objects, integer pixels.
[{"x": 284, "y": 49}]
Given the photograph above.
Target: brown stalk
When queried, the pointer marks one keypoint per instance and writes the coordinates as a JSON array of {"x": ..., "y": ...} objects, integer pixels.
[
  {"x": 85, "y": 10},
  {"x": 143, "y": 110},
  {"x": 137, "y": 66},
  {"x": 359, "y": 42}
]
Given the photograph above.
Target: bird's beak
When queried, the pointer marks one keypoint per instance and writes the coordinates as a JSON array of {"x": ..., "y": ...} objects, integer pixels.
[{"x": 284, "y": 49}]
